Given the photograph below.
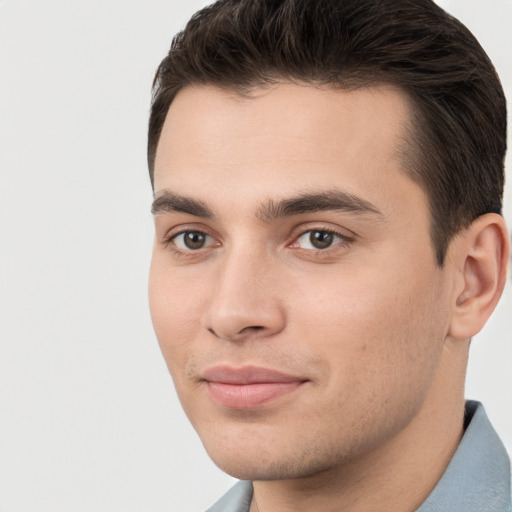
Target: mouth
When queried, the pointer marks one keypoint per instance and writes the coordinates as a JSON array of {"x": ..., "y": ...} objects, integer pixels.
[{"x": 249, "y": 387}]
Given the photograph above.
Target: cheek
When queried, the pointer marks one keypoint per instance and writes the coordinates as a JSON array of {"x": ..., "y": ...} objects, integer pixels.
[
  {"x": 175, "y": 314},
  {"x": 377, "y": 329},
  {"x": 381, "y": 345}
]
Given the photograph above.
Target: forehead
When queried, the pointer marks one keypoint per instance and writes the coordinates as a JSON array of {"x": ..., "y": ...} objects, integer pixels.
[{"x": 282, "y": 139}]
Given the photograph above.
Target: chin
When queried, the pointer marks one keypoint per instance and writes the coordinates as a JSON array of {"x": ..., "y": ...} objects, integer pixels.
[
  {"x": 261, "y": 462},
  {"x": 257, "y": 471}
]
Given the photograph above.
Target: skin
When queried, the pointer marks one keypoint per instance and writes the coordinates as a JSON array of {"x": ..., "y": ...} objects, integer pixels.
[{"x": 372, "y": 326}]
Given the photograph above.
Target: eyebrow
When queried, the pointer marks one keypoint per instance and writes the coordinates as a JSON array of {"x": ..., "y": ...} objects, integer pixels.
[
  {"x": 168, "y": 202},
  {"x": 331, "y": 200}
]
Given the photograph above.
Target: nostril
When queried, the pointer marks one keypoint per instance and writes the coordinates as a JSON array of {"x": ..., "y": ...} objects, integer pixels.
[
  {"x": 252, "y": 328},
  {"x": 246, "y": 331}
]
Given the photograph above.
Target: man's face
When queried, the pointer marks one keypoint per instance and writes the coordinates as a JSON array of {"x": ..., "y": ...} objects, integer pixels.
[{"x": 293, "y": 289}]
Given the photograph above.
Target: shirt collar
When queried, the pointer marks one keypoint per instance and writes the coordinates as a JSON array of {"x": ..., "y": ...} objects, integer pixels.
[{"x": 478, "y": 476}]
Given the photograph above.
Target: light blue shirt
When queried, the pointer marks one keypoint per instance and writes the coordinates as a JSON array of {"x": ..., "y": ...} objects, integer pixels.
[{"x": 476, "y": 480}]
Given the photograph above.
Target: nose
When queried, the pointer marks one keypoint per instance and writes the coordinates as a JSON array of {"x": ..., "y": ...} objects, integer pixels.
[{"x": 244, "y": 302}]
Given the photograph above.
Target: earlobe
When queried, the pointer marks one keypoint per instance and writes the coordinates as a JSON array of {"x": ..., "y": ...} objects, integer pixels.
[{"x": 482, "y": 254}]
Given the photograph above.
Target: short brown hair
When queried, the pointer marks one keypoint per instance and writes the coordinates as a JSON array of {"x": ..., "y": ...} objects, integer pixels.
[{"x": 457, "y": 141}]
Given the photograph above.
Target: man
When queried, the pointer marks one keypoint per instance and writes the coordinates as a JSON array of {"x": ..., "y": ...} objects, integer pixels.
[{"x": 328, "y": 179}]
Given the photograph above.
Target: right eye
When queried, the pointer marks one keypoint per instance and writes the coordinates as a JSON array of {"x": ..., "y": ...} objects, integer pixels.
[
  {"x": 319, "y": 239},
  {"x": 192, "y": 240}
]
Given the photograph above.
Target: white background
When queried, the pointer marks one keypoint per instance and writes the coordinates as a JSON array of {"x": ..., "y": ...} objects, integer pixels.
[{"x": 88, "y": 417}]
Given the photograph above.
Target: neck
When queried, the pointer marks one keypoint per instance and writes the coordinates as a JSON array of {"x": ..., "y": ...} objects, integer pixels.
[{"x": 398, "y": 475}]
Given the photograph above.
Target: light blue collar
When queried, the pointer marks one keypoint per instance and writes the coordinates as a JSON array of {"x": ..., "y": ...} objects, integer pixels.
[{"x": 478, "y": 476}]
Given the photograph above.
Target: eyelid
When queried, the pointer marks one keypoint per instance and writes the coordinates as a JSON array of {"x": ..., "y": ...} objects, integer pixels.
[
  {"x": 178, "y": 229},
  {"x": 343, "y": 232}
]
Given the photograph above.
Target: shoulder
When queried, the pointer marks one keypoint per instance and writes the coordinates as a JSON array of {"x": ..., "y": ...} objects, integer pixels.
[{"x": 237, "y": 499}]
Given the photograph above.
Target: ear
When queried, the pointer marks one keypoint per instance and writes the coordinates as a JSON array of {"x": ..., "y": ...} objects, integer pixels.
[{"x": 481, "y": 256}]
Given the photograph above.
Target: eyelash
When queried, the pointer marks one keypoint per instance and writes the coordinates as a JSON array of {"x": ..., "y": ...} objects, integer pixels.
[{"x": 191, "y": 253}]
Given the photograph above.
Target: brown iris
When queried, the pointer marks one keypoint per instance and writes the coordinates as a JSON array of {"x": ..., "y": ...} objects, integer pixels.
[
  {"x": 321, "y": 239},
  {"x": 194, "y": 239}
]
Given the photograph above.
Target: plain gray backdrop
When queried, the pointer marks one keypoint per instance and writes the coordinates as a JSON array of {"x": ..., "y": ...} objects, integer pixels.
[{"x": 89, "y": 421}]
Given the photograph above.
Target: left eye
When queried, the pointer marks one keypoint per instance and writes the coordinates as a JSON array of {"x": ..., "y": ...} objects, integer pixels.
[
  {"x": 192, "y": 240},
  {"x": 318, "y": 239}
]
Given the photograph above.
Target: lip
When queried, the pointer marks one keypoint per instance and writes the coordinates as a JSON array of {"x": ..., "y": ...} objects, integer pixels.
[{"x": 249, "y": 387}]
